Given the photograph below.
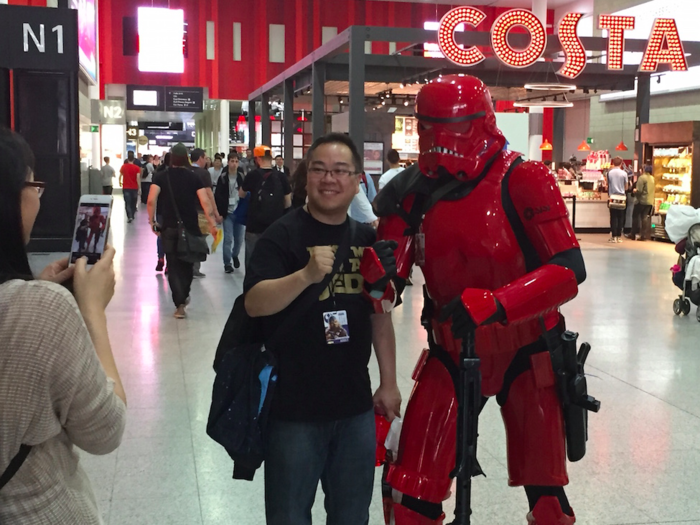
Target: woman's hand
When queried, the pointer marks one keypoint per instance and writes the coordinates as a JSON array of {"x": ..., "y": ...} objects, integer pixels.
[
  {"x": 94, "y": 289},
  {"x": 57, "y": 272}
]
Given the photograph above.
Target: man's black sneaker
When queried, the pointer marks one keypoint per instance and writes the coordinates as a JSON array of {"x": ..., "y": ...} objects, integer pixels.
[
  {"x": 159, "y": 266},
  {"x": 236, "y": 262},
  {"x": 228, "y": 268}
]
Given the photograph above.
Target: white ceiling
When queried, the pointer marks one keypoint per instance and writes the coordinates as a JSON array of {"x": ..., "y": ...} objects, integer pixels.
[{"x": 551, "y": 4}]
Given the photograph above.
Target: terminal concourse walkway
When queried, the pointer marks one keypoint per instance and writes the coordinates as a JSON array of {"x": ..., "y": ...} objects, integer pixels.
[{"x": 643, "y": 463}]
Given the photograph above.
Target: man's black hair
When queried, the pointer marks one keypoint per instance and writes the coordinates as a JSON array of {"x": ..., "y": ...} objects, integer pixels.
[
  {"x": 278, "y": 157},
  {"x": 337, "y": 138},
  {"x": 197, "y": 154},
  {"x": 393, "y": 156}
]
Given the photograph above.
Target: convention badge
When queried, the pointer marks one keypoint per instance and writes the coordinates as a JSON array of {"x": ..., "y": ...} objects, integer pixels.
[
  {"x": 336, "y": 327},
  {"x": 420, "y": 248}
]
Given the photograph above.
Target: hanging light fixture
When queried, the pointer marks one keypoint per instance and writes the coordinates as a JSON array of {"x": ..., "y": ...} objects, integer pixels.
[
  {"x": 546, "y": 146},
  {"x": 622, "y": 146},
  {"x": 584, "y": 146}
]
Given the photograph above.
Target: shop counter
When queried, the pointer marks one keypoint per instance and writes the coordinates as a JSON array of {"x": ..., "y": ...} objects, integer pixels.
[{"x": 588, "y": 214}]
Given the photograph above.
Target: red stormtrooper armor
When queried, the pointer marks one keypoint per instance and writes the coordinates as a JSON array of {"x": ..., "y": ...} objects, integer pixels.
[{"x": 494, "y": 242}]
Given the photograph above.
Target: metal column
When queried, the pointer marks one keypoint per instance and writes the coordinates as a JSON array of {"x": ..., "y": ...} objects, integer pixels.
[
  {"x": 288, "y": 152},
  {"x": 318, "y": 99},
  {"x": 643, "y": 106},
  {"x": 265, "y": 127},
  {"x": 558, "y": 135},
  {"x": 357, "y": 86},
  {"x": 251, "y": 125}
]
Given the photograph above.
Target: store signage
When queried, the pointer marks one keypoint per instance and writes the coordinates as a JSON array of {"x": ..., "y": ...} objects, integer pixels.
[
  {"x": 145, "y": 98},
  {"x": 36, "y": 38},
  {"x": 184, "y": 99},
  {"x": 132, "y": 132},
  {"x": 109, "y": 111},
  {"x": 664, "y": 45}
]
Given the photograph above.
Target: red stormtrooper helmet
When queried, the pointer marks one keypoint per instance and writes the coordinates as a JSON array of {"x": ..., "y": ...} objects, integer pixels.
[{"x": 456, "y": 127}]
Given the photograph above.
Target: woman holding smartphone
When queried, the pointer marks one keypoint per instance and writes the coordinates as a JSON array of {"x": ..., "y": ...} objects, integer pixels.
[{"x": 59, "y": 385}]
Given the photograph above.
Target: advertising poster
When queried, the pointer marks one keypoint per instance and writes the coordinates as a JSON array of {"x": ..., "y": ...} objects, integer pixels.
[
  {"x": 87, "y": 35},
  {"x": 373, "y": 158}
]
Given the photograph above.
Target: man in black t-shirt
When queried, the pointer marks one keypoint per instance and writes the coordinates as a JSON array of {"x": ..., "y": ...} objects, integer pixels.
[
  {"x": 322, "y": 424},
  {"x": 270, "y": 196},
  {"x": 187, "y": 190}
]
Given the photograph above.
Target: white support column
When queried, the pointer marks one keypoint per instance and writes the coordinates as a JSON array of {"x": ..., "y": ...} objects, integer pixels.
[
  {"x": 224, "y": 126},
  {"x": 95, "y": 161},
  {"x": 539, "y": 9}
]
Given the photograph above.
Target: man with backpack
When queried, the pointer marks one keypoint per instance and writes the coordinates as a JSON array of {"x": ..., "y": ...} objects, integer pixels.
[
  {"x": 271, "y": 195},
  {"x": 322, "y": 418}
]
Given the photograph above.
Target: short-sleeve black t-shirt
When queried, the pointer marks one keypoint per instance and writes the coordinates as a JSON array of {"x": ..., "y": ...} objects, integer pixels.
[
  {"x": 185, "y": 185},
  {"x": 267, "y": 189},
  {"x": 317, "y": 381}
]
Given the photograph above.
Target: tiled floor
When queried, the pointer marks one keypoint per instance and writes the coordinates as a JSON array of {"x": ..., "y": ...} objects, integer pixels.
[{"x": 643, "y": 464}]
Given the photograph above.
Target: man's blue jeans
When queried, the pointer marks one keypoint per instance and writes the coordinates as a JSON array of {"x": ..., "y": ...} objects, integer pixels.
[
  {"x": 233, "y": 238},
  {"x": 340, "y": 454},
  {"x": 131, "y": 198}
]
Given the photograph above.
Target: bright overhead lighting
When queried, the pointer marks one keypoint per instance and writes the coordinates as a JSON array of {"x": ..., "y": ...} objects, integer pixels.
[
  {"x": 550, "y": 86},
  {"x": 543, "y": 104}
]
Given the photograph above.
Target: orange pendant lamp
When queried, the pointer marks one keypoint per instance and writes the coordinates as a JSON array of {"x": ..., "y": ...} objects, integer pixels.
[
  {"x": 546, "y": 146},
  {"x": 621, "y": 146},
  {"x": 584, "y": 146}
]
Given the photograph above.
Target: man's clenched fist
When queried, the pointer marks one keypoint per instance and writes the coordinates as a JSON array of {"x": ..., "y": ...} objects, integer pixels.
[{"x": 320, "y": 264}]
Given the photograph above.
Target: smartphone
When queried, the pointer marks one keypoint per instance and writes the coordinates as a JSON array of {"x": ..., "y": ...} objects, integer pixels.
[{"x": 91, "y": 228}]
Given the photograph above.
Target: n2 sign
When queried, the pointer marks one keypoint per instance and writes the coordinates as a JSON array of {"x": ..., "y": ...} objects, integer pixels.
[{"x": 664, "y": 45}]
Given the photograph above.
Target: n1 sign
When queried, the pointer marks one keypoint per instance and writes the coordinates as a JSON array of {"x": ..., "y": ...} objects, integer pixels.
[{"x": 160, "y": 51}]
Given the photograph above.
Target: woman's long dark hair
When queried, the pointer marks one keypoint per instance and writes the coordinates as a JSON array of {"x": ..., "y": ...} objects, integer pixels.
[
  {"x": 16, "y": 158},
  {"x": 165, "y": 163},
  {"x": 299, "y": 182}
]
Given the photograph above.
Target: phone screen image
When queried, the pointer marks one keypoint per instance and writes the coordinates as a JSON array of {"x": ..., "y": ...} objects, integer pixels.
[{"x": 90, "y": 232}]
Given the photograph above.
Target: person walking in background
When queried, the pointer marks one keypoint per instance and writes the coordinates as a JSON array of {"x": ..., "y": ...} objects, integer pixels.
[
  {"x": 163, "y": 166},
  {"x": 279, "y": 166},
  {"x": 199, "y": 168},
  {"x": 299, "y": 185},
  {"x": 227, "y": 198},
  {"x": 131, "y": 157},
  {"x": 271, "y": 195},
  {"x": 180, "y": 189},
  {"x": 248, "y": 162},
  {"x": 59, "y": 383},
  {"x": 146, "y": 177},
  {"x": 617, "y": 187},
  {"x": 367, "y": 186},
  {"x": 108, "y": 175},
  {"x": 394, "y": 168},
  {"x": 129, "y": 180},
  {"x": 216, "y": 169},
  {"x": 644, "y": 204}
]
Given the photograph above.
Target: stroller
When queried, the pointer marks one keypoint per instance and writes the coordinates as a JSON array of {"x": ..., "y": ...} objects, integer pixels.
[{"x": 687, "y": 271}]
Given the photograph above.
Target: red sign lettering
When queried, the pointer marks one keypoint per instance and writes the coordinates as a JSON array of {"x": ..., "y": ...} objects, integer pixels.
[
  {"x": 573, "y": 48},
  {"x": 446, "y": 36},
  {"x": 499, "y": 38},
  {"x": 664, "y": 31}
]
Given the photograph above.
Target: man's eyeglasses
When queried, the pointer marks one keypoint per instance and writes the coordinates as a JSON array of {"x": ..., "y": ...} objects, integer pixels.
[
  {"x": 40, "y": 186},
  {"x": 336, "y": 173}
]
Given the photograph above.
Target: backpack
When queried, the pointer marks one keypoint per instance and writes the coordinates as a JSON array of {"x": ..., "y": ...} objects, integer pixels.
[{"x": 246, "y": 375}]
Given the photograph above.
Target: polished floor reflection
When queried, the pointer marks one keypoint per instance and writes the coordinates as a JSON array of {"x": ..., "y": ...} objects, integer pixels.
[{"x": 643, "y": 464}]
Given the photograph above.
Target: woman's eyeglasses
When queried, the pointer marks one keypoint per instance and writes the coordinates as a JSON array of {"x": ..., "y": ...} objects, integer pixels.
[{"x": 40, "y": 186}]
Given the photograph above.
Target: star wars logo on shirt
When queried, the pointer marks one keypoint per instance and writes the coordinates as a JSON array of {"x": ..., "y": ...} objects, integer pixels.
[{"x": 345, "y": 282}]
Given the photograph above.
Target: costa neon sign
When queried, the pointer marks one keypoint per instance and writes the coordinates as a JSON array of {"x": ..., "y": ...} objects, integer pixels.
[{"x": 664, "y": 45}]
